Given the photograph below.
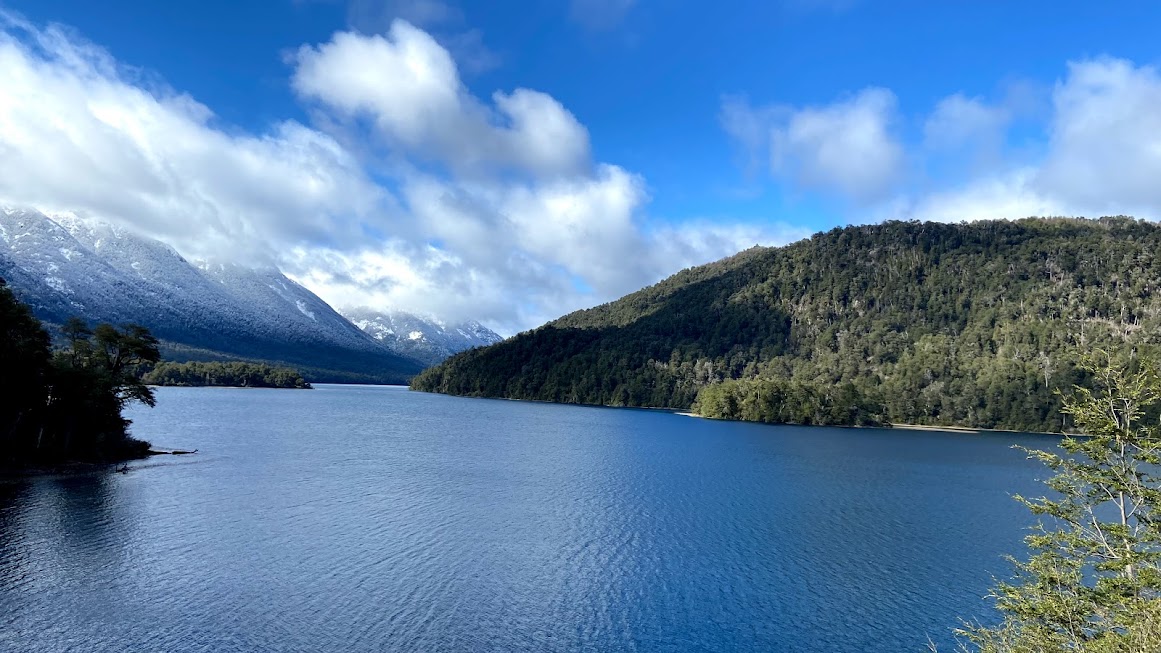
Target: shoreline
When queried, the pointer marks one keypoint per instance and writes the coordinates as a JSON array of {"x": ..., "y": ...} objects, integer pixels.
[
  {"x": 234, "y": 387},
  {"x": 971, "y": 430},
  {"x": 81, "y": 467},
  {"x": 688, "y": 413}
]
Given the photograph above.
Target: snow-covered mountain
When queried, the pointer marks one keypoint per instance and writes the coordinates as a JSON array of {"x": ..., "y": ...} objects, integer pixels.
[
  {"x": 425, "y": 339},
  {"x": 64, "y": 267}
]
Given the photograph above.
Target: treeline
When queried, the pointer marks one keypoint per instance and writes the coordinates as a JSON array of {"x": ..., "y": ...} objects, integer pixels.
[
  {"x": 66, "y": 405},
  {"x": 778, "y": 401},
  {"x": 941, "y": 324},
  {"x": 235, "y": 373}
]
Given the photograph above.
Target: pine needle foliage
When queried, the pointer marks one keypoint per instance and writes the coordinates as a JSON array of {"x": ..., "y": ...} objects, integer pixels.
[{"x": 1092, "y": 583}]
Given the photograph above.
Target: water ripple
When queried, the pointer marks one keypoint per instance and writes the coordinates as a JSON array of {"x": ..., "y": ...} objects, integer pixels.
[{"x": 373, "y": 519}]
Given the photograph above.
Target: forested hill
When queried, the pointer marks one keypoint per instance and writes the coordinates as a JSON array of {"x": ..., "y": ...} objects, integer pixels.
[{"x": 971, "y": 325}]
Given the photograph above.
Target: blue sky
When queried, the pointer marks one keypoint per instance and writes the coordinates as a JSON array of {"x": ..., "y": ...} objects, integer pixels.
[{"x": 709, "y": 125}]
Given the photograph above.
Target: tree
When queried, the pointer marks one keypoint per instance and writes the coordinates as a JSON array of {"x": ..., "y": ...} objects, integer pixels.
[
  {"x": 24, "y": 369},
  {"x": 234, "y": 373},
  {"x": 67, "y": 406},
  {"x": 119, "y": 352},
  {"x": 92, "y": 381},
  {"x": 1093, "y": 581},
  {"x": 76, "y": 333}
]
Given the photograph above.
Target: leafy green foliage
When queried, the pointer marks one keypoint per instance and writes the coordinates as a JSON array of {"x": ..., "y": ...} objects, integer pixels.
[
  {"x": 67, "y": 405},
  {"x": 1093, "y": 582},
  {"x": 238, "y": 373},
  {"x": 778, "y": 401},
  {"x": 940, "y": 324}
]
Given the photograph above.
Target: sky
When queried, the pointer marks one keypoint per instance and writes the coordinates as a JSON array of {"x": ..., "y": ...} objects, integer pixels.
[{"x": 511, "y": 161}]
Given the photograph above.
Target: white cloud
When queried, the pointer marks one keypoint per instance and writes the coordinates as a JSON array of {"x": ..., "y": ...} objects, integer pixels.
[
  {"x": 1005, "y": 196},
  {"x": 848, "y": 147},
  {"x": 409, "y": 86},
  {"x": 1105, "y": 145},
  {"x": 554, "y": 232},
  {"x": 1101, "y": 154},
  {"x": 959, "y": 121},
  {"x": 1094, "y": 150},
  {"x": 444, "y": 21},
  {"x": 76, "y": 135},
  {"x": 700, "y": 242},
  {"x": 516, "y": 289},
  {"x": 587, "y": 223}
]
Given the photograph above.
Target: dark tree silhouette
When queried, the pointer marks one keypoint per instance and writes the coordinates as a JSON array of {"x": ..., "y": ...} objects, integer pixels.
[{"x": 67, "y": 406}]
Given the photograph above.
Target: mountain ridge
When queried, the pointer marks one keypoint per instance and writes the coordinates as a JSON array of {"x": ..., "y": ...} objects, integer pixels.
[
  {"x": 223, "y": 311},
  {"x": 424, "y": 338}
]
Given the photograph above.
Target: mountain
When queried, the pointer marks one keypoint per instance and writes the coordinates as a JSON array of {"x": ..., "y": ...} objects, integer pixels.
[
  {"x": 945, "y": 324},
  {"x": 66, "y": 267},
  {"x": 427, "y": 340}
]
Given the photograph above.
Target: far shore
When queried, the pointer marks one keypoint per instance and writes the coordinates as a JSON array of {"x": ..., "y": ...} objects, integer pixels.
[
  {"x": 687, "y": 413},
  {"x": 907, "y": 427},
  {"x": 234, "y": 387}
]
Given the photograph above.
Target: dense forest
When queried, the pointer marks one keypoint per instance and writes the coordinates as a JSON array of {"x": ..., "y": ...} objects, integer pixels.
[
  {"x": 905, "y": 322},
  {"x": 66, "y": 405},
  {"x": 237, "y": 373}
]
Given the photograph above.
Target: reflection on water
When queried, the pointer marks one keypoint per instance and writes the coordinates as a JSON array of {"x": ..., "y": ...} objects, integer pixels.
[{"x": 372, "y": 519}]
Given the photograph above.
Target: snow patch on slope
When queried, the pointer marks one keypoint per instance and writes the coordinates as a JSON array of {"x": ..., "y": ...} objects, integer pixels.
[
  {"x": 422, "y": 337},
  {"x": 305, "y": 311}
]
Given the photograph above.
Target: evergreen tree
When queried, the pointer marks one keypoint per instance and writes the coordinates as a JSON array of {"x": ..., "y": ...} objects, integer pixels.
[
  {"x": 24, "y": 369},
  {"x": 1093, "y": 581},
  {"x": 67, "y": 406}
]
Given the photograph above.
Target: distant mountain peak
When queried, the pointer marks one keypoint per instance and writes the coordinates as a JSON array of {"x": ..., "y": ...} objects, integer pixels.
[{"x": 422, "y": 337}]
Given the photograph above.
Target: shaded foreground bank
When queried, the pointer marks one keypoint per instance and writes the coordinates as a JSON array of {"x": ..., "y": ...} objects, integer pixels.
[{"x": 65, "y": 408}]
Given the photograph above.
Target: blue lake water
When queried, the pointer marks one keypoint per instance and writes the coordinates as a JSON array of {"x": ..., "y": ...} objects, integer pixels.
[{"x": 377, "y": 519}]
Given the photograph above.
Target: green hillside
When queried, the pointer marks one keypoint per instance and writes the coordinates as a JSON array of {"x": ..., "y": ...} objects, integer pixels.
[{"x": 906, "y": 322}]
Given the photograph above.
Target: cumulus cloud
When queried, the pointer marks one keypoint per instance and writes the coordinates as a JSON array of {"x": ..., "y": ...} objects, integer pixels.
[
  {"x": 1105, "y": 143},
  {"x": 496, "y": 209},
  {"x": 848, "y": 147},
  {"x": 408, "y": 85},
  {"x": 77, "y": 134},
  {"x": 445, "y": 21},
  {"x": 1101, "y": 153},
  {"x": 1091, "y": 146}
]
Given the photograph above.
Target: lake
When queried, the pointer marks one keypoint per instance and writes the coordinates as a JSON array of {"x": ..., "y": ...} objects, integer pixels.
[{"x": 357, "y": 518}]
